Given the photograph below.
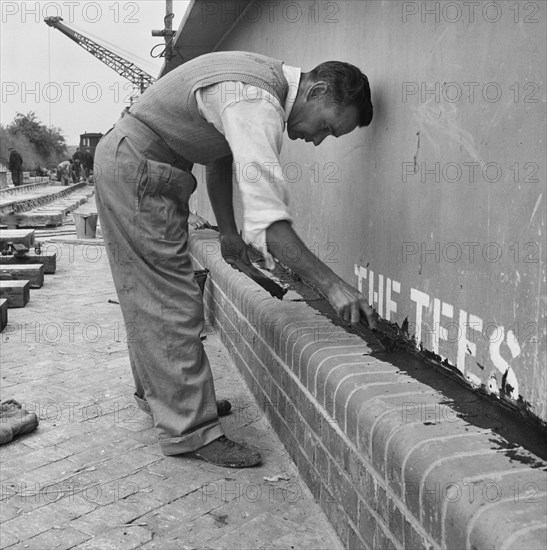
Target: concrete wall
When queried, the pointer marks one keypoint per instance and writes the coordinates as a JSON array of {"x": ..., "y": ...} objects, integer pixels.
[{"x": 437, "y": 210}]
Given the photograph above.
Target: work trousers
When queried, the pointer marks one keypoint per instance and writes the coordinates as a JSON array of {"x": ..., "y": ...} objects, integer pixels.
[
  {"x": 142, "y": 199},
  {"x": 17, "y": 177}
]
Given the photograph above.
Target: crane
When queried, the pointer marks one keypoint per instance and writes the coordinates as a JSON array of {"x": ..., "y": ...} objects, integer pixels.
[{"x": 140, "y": 79}]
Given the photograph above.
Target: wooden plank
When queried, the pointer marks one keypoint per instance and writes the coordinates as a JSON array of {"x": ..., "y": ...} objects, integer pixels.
[
  {"x": 22, "y": 236},
  {"x": 33, "y": 273},
  {"x": 3, "y": 314},
  {"x": 15, "y": 292},
  {"x": 47, "y": 259}
]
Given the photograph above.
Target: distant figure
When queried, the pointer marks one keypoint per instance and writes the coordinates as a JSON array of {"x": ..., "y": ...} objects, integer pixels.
[
  {"x": 16, "y": 167},
  {"x": 88, "y": 163},
  {"x": 40, "y": 171},
  {"x": 63, "y": 172},
  {"x": 77, "y": 159},
  {"x": 74, "y": 171}
]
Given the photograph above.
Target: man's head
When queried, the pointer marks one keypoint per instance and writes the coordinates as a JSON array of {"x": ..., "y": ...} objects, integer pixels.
[{"x": 332, "y": 100}]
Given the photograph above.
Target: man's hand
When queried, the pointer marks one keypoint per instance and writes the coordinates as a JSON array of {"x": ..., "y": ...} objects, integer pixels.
[
  {"x": 197, "y": 222},
  {"x": 350, "y": 304},
  {"x": 347, "y": 301},
  {"x": 234, "y": 251}
]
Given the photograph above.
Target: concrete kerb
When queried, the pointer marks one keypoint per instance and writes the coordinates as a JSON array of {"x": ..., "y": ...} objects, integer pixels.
[{"x": 257, "y": 329}]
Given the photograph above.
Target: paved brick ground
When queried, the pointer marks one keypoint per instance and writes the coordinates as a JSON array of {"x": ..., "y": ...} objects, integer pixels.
[{"x": 92, "y": 475}]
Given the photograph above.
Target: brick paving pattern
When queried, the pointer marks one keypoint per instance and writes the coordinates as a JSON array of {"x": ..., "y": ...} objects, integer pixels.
[{"x": 92, "y": 475}]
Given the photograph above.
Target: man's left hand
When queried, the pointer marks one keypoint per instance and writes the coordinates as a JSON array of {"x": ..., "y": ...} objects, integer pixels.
[
  {"x": 234, "y": 251},
  {"x": 197, "y": 222}
]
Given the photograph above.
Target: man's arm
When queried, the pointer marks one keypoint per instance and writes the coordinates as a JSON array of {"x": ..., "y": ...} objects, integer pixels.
[
  {"x": 254, "y": 131},
  {"x": 347, "y": 301},
  {"x": 219, "y": 188}
]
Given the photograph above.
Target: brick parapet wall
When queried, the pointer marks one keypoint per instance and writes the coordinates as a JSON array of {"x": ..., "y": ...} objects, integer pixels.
[{"x": 386, "y": 454}]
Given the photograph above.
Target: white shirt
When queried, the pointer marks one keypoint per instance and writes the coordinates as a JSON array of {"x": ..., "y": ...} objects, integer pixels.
[{"x": 253, "y": 121}]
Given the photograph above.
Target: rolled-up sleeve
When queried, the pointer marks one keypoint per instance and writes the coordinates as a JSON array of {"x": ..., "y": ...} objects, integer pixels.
[
  {"x": 253, "y": 126},
  {"x": 254, "y": 130}
]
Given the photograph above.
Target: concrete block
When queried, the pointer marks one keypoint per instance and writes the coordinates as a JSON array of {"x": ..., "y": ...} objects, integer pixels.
[
  {"x": 33, "y": 273},
  {"x": 15, "y": 292},
  {"x": 21, "y": 236},
  {"x": 47, "y": 259}
]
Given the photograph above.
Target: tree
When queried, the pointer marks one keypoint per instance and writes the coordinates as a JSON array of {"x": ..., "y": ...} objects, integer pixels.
[{"x": 49, "y": 142}]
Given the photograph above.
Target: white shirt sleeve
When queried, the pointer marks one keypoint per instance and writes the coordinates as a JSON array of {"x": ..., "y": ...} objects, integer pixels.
[{"x": 251, "y": 119}]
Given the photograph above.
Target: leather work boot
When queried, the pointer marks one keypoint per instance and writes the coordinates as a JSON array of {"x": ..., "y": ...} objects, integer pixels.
[{"x": 227, "y": 453}]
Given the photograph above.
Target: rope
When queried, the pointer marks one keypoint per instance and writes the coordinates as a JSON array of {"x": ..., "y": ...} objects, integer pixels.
[
  {"x": 174, "y": 51},
  {"x": 49, "y": 67}
]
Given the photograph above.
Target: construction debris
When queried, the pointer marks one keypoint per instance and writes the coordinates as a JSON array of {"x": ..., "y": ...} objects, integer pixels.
[
  {"x": 15, "y": 292},
  {"x": 14, "y": 420},
  {"x": 33, "y": 273}
]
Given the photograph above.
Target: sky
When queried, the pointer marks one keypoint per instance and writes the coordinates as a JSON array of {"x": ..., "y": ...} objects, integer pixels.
[{"x": 44, "y": 71}]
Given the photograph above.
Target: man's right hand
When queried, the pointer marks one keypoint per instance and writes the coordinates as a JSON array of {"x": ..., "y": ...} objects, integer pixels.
[{"x": 346, "y": 300}]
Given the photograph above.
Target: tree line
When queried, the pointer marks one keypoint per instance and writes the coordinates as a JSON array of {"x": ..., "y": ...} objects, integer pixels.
[{"x": 36, "y": 143}]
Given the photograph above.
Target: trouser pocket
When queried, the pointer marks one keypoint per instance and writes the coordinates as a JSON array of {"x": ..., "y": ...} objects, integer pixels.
[{"x": 162, "y": 196}]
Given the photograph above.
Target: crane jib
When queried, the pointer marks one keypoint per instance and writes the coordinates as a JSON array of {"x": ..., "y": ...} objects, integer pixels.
[{"x": 122, "y": 66}]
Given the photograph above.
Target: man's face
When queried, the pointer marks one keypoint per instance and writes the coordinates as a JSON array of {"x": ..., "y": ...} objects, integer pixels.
[{"x": 315, "y": 119}]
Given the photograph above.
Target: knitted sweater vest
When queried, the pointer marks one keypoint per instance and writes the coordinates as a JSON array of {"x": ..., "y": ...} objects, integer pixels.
[{"x": 169, "y": 106}]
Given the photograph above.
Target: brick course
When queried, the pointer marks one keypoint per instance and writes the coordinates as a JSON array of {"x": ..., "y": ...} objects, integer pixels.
[{"x": 385, "y": 454}]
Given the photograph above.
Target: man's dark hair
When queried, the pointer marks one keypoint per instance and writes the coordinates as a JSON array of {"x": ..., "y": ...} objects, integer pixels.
[{"x": 347, "y": 86}]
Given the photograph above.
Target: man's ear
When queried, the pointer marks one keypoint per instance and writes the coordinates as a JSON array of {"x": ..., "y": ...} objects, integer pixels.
[{"x": 317, "y": 90}]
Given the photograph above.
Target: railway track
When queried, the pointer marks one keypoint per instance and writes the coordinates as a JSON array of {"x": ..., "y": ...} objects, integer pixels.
[
  {"x": 41, "y": 204},
  {"x": 22, "y": 189}
]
